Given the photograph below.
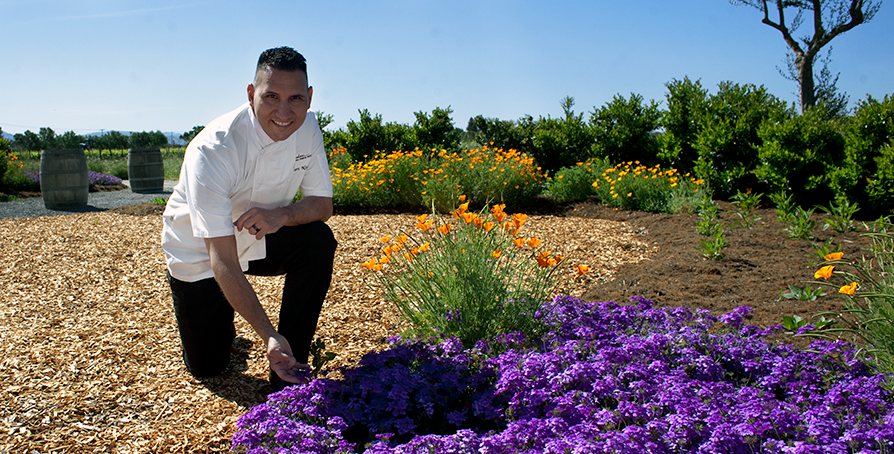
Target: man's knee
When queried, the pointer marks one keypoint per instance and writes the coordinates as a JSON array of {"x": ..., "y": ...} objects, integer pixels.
[{"x": 321, "y": 237}]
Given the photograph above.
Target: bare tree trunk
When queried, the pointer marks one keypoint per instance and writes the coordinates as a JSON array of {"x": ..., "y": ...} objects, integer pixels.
[{"x": 805, "y": 81}]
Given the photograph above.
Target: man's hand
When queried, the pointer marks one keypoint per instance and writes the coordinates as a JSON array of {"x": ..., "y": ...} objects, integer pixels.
[
  {"x": 260, "y": 222},
  {"x": 283, "y": 362}
]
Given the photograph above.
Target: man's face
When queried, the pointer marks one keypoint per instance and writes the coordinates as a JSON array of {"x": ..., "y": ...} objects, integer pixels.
[{"x": 280, "y": 100}]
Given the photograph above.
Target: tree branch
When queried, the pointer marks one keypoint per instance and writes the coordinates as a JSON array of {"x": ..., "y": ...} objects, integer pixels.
[{"x": 786, "y": 34}]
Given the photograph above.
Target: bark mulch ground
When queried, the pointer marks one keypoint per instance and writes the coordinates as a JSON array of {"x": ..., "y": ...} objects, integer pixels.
[{"x": 90, "y": 353}]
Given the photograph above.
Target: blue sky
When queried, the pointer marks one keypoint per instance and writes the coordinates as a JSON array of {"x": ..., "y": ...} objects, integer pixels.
[{"x": 135, "y": 65}]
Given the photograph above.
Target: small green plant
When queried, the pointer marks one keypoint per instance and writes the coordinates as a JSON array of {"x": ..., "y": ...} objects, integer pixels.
[
  {"x": 713, "y": 248},
  {"x": 710, "y": 226},
  {"x": 160, "y": 201},
  {"x": 842, "y": 213},
  {"x": 320, "y": 357},
  {"x": 746, "y": 204},
  {"x": 802, "y": 294},
  {"x": 794, "y": 323},
  {"x": 800, "y": 225},
  {"x": 822, "y": 250},
  {"x": 785, "y": 206}
]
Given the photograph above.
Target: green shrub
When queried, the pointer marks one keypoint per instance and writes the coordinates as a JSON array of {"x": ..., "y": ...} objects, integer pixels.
[
  {"x": 561, "y": 142},
  {"x": 623, "y": 130},
  {"x": 506, "y": 134},
  {"x": 364, "y": 139},
  {"x": 728, "y": 139},
  {"x": 574, "y": 184},
  {"x": 686, "y": 100},
  {"x": 436, "y": 130},
  {"x": 803, "y": 155},
  {"x": 633, "y": 186},
  {"x": 869, "y": 155}
]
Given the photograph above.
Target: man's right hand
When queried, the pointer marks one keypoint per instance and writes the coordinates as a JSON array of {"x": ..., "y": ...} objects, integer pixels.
[{"x": 283, "y": 362}]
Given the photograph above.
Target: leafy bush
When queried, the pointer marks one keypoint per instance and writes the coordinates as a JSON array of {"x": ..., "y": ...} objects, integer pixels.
[
  {"x": 870, "y": 156},
  {"x": 434, "y": 178},
  {"x": 686, "y": 100},
  {"x": 609, "y": 378},
  {"x": 561, "y": 142},
  {"x": 436, "y": 130},
  {"x": 370, "y": 136},
  {"x": 623, "y": 130},
  {"x": 633, "y": 186},
  {"x": 802, "y": 155},
  {"x": 574, "y": 184},
  {"x": 728, "y": 140}
]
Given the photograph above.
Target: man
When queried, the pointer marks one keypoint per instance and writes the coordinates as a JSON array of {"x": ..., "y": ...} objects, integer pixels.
[{"x": 232, "y": 214}]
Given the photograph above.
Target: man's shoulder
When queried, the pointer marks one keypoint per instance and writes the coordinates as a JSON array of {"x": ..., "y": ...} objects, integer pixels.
[{"x": 226, "y": 125}]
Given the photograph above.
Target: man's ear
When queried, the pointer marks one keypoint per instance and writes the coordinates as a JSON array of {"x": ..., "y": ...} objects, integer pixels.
[
  {"x": 310, "y": 96},
  {"x": 251, "y": 93}
]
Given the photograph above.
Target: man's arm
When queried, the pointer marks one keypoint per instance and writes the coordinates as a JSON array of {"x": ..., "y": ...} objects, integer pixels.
[
  {"x": 240, "y": 295},
  {"x": 261, "y": 222}
]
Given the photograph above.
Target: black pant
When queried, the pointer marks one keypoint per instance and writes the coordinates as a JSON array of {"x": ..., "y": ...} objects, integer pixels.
[{"x": 303, "y": 253}]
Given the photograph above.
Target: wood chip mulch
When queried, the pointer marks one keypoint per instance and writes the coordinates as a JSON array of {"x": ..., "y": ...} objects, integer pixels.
[{"x": 90, "y": 351}]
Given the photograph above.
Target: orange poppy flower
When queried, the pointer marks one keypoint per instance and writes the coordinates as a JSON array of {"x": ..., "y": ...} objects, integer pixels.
[
  {"x": 421, "y": 218},
  {"x": 424, "y": 226},
  {"x": 488, "y": 226},
  {"x": 534, "y": 242},
  {"x": 425, "y": 247},
  {"x": 824, "y": 272},
  {"x": 518, "y": 219},
  {"x": 370, "y": 264},
  {"x": 445, "y": 229},
  {"x": 519, "y": 242},
  {"x": 385, "y": 238},
  {"x": 409, "y": 257},
  {"x": 582, "y": 269},
  {"x": 499, "y": 216},
  {"x": 544, "y": 260},
  {"x": 387, "y": 251},
  {"x": 385, "y": 260},
  {"x": 496, "y": 253},
  {"x": 402, "y": 239},
  {"x": 848, "y": 289},
  {"x": 462, "y": 198},
  {"x": 834, "y": 256}
]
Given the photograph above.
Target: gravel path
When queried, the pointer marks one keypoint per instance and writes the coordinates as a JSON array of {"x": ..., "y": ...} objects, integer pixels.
[{"x": 96, "y": 201}]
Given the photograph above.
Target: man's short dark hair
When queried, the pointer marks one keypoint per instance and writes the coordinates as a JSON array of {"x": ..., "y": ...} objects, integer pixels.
[{"x": 283, "y": 59}]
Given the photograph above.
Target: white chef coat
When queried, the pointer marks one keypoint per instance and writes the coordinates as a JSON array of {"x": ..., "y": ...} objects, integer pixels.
[{"x": 228, "y": 168}]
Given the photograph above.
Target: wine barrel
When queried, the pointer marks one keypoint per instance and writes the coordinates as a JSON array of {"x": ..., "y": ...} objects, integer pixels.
[
  {"x": 145, "y": 170},
  {"x": 63, "y": 179}
]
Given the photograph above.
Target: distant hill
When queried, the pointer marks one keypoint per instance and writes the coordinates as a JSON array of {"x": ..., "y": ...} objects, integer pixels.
[{"x": 173, "y": 137}]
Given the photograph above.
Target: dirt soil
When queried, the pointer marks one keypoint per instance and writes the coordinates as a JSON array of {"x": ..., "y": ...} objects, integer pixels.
[{"x": 90, "y": 356}]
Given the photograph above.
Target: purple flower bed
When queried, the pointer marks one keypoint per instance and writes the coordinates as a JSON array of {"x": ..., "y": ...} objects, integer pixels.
[
  {"x": 94, "y": 177},
  {"x": 609, "y": 378}
]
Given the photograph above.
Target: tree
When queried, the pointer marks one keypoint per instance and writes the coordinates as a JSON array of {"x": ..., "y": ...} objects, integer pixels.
[
  {"x": 830, "y": 18},
  {"x": 27, "y": 141},
  {"x": 146, "y": 139},
  {"x": 70, "y": 141},
  {"x": 189, "y": 135}
]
